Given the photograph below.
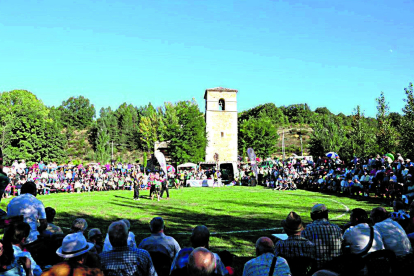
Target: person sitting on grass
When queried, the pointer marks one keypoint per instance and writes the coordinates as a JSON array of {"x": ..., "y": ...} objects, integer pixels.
[{"x": 262, "y": 264}]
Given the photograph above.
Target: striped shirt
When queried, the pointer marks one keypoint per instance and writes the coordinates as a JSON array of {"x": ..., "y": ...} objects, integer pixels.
[
  {"x": 327, "y": 238},
  {"x": 295, "y": 246}
]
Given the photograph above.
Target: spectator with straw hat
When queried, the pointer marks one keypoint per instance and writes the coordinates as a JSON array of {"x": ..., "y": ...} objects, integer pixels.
[{"x": 295, "y": 245}]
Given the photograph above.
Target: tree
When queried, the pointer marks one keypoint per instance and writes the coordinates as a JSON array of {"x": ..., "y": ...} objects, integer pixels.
[
  {"x": 327, "y": 136},
  {"x": 386, "y": 134},
  {"x": 268, "y": 110},
  {"x": 27, "y": 130},
  {"x": 186, "y": 132},
  {"x": 361, "y": 137},
  {"x": 298, "y": 113},
  {"x": 151, "y": 127},
  {"x": 323, "y": 110},
  {"x": 407, "y": 123},
  {"x": 77, "y": 112},
  {"x": 259, "y": 134},
  {"x": 127, "y": 118},
  {"x": 396, "y": 120},
  {"x": 102, "y": 152}
]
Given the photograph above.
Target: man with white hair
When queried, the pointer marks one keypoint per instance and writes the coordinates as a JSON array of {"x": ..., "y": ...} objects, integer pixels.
[
  {"x": 131, "y": 238},
  {"x": 201, "y": 262},
  {"x": 122, "y": 259}
]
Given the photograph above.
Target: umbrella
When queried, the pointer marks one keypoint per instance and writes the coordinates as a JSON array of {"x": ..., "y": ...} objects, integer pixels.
[
  {"x": 332, "y": 154},
  {"x": 170, "y": 168},
  {"x": 390, "y": 155}
]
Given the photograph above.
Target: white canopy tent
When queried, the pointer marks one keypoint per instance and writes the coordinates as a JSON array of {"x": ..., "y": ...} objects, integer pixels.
[{"x": 187, "y": 165}]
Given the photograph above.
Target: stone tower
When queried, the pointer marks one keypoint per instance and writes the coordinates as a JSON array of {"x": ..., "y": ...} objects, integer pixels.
[{"x": 221, "y": 124}]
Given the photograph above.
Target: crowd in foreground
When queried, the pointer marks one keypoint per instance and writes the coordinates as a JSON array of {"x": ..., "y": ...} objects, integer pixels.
[{"x": 33, "y": 245}]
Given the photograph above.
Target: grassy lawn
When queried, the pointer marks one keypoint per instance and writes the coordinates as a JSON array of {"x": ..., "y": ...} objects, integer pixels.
[{"x": 236, "y": 216}]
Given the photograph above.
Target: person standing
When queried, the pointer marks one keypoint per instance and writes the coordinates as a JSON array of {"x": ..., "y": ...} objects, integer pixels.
[
  {"x": 164, "y": 187},
  {"x": 137, "y": 186}
]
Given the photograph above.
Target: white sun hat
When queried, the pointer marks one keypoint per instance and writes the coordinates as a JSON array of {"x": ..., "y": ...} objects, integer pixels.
[{"x": 74, "y": 245}]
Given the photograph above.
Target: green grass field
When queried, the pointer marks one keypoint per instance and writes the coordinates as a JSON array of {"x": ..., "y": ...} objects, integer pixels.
[{"x": 236, "y": 216}]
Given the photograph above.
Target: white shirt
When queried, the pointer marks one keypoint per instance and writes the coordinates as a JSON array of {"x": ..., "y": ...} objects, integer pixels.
[
  {"x": 131, "y": 242},
  {"x": 394, "y": 237},
  {"x": 358, "y": 237},
  {"x": 32, "y": 210}
]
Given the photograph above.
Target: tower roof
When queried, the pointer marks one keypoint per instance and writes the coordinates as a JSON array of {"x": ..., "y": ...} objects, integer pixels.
[{"x": 219, "y": 89}]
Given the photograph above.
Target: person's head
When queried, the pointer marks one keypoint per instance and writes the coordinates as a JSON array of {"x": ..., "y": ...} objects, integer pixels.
[
  {"x": 201, "y": 262},
  {"x": 378, "y": 214},
  {"x": 118, "y": 233},
  {"x": 95, "y": 235},
  {"x": 358, "y": 216},
  {"x": 29, "y": 188},
  {"x": 292, "y": 224},
  {"x": 79, "y": 225},
  {"x": 128, "y": 224},
  {"x": 200, "y": 236},
  {"x": 226, "y": 257},
  {"x": 18, "y": 233},
  {"x": 74, "y": 247},
  {"x": 50, "y": 214},
  {"x": 264, "y": 245},
  {"x": 6, "y": 253},
  {"x": 319, "y": 211},
  {"x": 398, "y": 205},
  {"x": 157, "y": 225}
]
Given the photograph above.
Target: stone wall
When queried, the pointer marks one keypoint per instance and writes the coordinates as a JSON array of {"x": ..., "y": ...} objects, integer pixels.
[{"x": 221, "y": 126}]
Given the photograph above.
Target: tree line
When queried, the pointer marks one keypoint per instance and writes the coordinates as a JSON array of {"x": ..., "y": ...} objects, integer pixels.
[{"x": 33, "y": 131}]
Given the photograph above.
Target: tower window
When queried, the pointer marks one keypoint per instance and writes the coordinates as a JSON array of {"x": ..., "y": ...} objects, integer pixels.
[
  {"x": 222, "y": 134},
  {"x": 222, "y": 105}
]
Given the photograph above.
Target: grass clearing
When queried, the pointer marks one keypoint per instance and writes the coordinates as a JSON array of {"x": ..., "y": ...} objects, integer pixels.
[{"x": 236, "y": 216}]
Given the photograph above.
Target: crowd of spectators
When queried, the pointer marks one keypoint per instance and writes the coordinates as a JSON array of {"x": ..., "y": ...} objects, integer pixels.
[
  {"x": 378, "y": 177},
  {"x": 52, "y": 178},
  {"x": 368, "y": 243},
  {"x": 33, "y": 245}
]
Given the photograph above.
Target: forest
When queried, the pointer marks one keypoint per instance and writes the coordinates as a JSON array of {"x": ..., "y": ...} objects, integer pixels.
[{"x": 74, "y": 132}]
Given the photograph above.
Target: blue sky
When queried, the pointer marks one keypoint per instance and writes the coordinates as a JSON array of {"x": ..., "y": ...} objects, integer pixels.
[{"x": 336, "y": 54}]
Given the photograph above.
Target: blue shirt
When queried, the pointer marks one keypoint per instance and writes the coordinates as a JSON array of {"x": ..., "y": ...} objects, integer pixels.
[
  {"x": 159, "y": 242},
  {"x": 260, "y": 266}
]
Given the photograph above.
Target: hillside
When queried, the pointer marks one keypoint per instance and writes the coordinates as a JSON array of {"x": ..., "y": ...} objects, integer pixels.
[
  {"x": 292, "y": 140},
  {"x": 80, "y": 149}
]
